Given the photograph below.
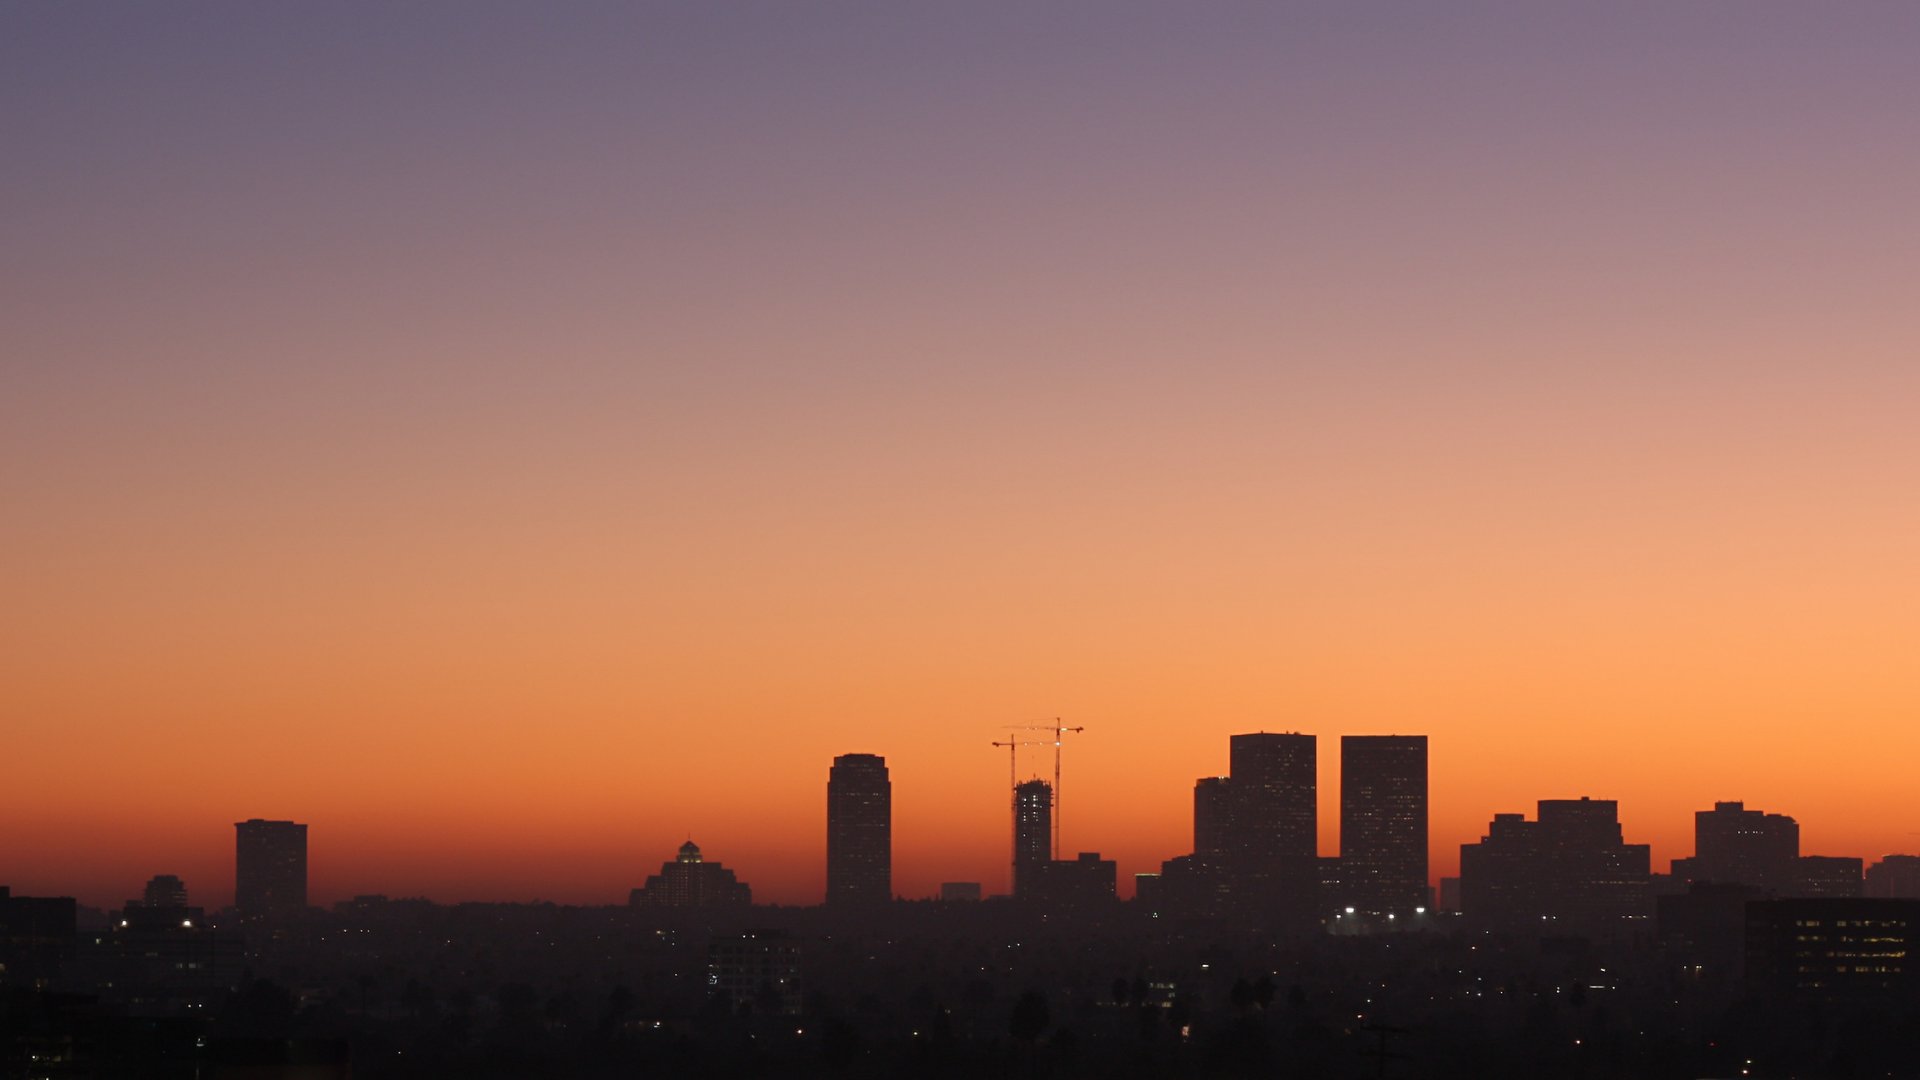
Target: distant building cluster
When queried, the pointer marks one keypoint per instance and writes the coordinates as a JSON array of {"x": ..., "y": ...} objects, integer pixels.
[{"x": 1256, "y": 836}]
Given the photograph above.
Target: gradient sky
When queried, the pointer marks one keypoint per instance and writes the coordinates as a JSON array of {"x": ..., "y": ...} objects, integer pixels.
[{"x": 513, "y": 440}]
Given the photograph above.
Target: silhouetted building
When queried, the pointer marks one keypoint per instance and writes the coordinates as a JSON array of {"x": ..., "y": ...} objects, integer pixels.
[
  {"x": 164, "y": 959},
  {"x": 859, "y": 830},
  {"x": 1383, "y": 822},
  {"x": 1274, "y": 782},
  {"x": 1894, "y": 877},
  {"x": 165, "y": 891},
  {"x": 1032, "y": 834},
  {"x": 757, "y": 971},
  {"x": 1704, "y": 930},
  {"x": 1147, "y": 892},
  {"x": 1837, "y": 877},
  {"x": 1847, "y": 950},
  {"x": 36, "y": 938},
  {"x": 960, "y": 890},
  {"x": 1449, "y": 894},
  {"x": 691, "y": 881},
  {"x": 1212, "y": 815},
  {"x": 1566, "y": 873},
  {"x": 1202, "y": 887},
  {"x": 270, "y": 869},
  {"x": 1271, "y": 866},
  {"x": 1669, "y": 884},
  {"x": 1733, "y": 845},
  {"x": 1078, "y": 884}
]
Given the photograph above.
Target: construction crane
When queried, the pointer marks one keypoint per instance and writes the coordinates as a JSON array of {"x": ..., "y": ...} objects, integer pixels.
[
  {"x": 1013, "y": 787},
  {"x": 1059, "y": 731}
]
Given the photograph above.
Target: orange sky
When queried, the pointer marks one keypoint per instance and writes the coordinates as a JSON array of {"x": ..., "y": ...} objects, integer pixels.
[{"x": 515, "y": 455}]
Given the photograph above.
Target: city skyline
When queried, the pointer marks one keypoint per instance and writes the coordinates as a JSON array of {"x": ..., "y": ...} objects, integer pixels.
[
  {"x": 1379, "y": 774},
  {"x": 491, "y": 435}
]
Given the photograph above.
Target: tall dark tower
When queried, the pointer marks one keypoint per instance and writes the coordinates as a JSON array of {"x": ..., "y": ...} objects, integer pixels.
[
  {"x": 1274, "y": 787},
  {"x": 1212, "y": 815},
  {"x": 1032, "y": 834},
  {"x": 269, "y": 868},
  {"x": 1383, "y": 822},
  {"x": 859, "y": 830}
]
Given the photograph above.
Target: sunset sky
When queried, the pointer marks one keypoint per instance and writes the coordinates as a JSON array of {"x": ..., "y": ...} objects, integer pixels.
[{"x": 514, "y": 439}]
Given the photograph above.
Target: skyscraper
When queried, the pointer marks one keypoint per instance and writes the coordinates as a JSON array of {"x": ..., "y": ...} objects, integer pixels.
[
  {"x": 1383, "y": 822},
  {"x": 1274, "y": 783},
  {"x": 859, "y": 830},
  {"x": 1032, "y": 834},
  {"x": 270, "y": 868},
  {"x": 1212, "y": 815}
]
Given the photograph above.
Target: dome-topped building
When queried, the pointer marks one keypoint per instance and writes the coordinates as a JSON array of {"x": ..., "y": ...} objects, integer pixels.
[{"x": 691, "y": 881}]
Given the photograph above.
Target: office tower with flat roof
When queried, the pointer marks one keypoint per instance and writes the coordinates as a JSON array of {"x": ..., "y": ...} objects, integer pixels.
[
  {"x": 1274, "y": 780},
  {"x": 1383, "y": 822},
  {"x": 1212, "y": 815},
  {"x": 1566, "y": 873},
  {"x": 757, "y": 969},
  {"x": 1838, "y": 877},
  {"x": 1894, "y": 877},
  {"x": 1079, "y": 885},
  {"x": 1845, "y": 951},
  {"x": 859, "y": 830},
  {"x": 1032, "y": 835},
  {"x": 1733, "y": 845},
  {"x": 270, "y": 869}
]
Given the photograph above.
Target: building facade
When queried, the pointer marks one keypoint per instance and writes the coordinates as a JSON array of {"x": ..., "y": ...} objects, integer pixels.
[
  {"x": 757, "y": 972},
  {"x": 1843, "y": 950},
  {"x": 165, "y": 890},
  {"x": 270, "y": 869},
  {"x": 1566, "y": 873},
  {"x": 1383, "y": 822},
  {"x": 1274, "y": 780},
  {"x": 1212, "y": 815},
  {"x": 1894, "y": 877},
  {"x": 1733, "y": 845},
  {"x": 691, "y": 881},
  {"x": 1032, "y": 835},
  {"x": 859, "y": 830}
]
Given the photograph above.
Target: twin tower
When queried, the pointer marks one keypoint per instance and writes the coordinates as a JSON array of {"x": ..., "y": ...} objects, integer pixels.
[{"x": 1260, "y": 817}]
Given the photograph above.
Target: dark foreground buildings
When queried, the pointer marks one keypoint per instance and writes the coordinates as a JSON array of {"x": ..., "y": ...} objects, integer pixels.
[
  {"x": 1846, "y": 951},
  {"x": 270, "y": 869},
  {"x": 37, "y": 938},
  {"x": 859, "y": 830}
]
